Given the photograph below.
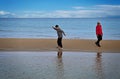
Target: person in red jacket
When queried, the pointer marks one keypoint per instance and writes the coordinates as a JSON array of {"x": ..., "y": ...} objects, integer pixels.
[{"x": 99, "y": 34}]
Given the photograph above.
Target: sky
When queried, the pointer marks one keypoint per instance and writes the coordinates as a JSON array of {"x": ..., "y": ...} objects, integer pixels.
[{"x": 59, "y": 8}]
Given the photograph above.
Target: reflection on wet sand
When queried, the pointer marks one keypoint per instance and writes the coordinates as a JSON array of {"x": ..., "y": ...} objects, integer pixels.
[
  {"x": 99, "y": 70},
  {"x": 60, "y": 68},
  {"x": 59, "y": 54}
]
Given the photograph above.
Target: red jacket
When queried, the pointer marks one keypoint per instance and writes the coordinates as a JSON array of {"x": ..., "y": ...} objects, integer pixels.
[{"x": 99, "y": 30}]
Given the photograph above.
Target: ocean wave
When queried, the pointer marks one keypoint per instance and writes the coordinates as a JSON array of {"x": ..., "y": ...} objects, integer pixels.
[
  {"x": 7, "y": 31},
  {"x": 74, "y": 28},
  {"x": 17, "y": 31}
]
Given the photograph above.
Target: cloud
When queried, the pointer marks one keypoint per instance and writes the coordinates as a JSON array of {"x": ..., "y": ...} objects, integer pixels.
[
  {"x": 109, "y": 7},
  {"x": 78, "y": 7},
  {"x": 109, "y": 10},
  {"x": 60, "y": 14},
  {"x": 79, "y": 12},
  {"x": 75, "y": 12},
  {"x": 5, "y": 14}
]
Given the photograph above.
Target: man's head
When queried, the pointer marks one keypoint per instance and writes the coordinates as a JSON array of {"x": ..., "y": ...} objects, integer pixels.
[{"x": 56, "y": 26}]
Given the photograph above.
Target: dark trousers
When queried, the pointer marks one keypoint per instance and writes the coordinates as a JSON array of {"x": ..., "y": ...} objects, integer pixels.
[
  {"x": 99, "y": 37},
  {"x": 59, "y": 42}
]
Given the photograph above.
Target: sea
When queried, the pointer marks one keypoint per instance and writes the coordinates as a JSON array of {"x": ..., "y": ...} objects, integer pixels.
[{"x": 75, "y": 28}]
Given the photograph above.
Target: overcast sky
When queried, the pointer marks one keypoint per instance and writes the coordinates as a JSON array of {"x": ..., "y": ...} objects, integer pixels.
[{"x": 59, "y": 8}]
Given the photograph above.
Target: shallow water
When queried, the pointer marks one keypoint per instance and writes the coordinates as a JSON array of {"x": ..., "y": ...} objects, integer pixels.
[{"x": 46, "y": 65}]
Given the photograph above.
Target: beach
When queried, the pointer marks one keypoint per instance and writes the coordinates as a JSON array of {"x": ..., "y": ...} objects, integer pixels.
[
  {"x": 83, "y": 45},
  {"x": 30, "y": 58}
]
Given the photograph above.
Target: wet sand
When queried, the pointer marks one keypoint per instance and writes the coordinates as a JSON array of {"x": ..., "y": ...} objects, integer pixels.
[
  {"x": 50, "y": 44},
  {"x": 46, "y": 65}
]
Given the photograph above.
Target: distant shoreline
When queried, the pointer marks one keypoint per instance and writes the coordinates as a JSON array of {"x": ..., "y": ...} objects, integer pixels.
[
  {"x": 31, "y": 44},
  {"x": 66, "y": 18}
]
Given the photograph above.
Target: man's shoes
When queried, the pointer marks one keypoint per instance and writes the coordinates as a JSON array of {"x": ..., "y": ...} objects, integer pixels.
[{"x": 97, "y": 44}]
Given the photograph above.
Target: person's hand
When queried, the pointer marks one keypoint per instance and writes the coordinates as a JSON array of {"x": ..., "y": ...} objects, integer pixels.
[{"x": 53, "y": 27}]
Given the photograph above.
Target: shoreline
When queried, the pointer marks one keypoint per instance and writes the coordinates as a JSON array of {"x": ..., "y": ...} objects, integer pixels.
[{"x": 45, "y": 44}]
